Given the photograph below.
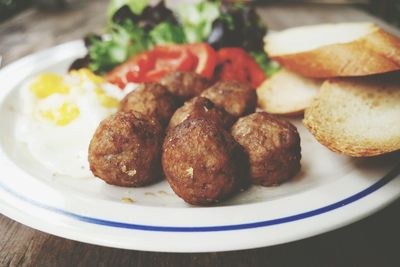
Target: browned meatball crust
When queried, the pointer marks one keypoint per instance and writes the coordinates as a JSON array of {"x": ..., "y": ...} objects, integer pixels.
[
  {"x": 238, "y": 99},
  {"x": 151, "y": 99},
  {"x": 126, "y": 150},
  {"x": 185, "y": 85},
  {"x": 202, "y": 162},
  {"x": 200, "y": 107},
  {"x": 272, "y": 145}
]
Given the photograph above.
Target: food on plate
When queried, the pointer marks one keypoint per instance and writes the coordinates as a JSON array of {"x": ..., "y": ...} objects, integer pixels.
[
  {"x": 145, "y": 42},
  {"x": 287, "y": 93},
  {"x": 237, "y": 65},
  {"x": 200, "y": 107},
  {"x": 237, "y": 98},
  {"x": 185, "y": 85},
  {"x": 272, "y": 145},
  {"x": 207, "y": 59},
  {"x": 152, "y": 65},
  {"x": 331, "y": 50},
  {"x": 126, "y": 150},
  {"x": 151, "y": 99},
  {"x": 202, "y": 162},
  {"x": 55, "y": 109},
  {"x": 359, "y": 116},
  {"x": 133, "y": 27},
  {"x": 223, "y": 65},
  {"x": 211, "y": 55},
  {"x": 237, "y": 26},
  {"x": 355, "y": 116}
]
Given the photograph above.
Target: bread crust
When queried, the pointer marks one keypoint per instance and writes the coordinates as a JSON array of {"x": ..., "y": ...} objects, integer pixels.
[
  {"x": 287, "y": 93},
  {"x": 376, "y": 52},
  {"x": 326, "y": 119}
]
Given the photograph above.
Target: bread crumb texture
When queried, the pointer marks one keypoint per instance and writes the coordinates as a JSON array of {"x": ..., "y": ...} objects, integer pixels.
[{"x": 358, "y": 117}]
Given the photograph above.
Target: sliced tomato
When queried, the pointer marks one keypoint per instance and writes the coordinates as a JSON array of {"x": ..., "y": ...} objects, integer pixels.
[
  {"x": 174, "y": 57},
  {"x": 144, "y": 63},
  {"x": 152, "y": 65},
  {"x": 207, "y": 58},
  {"x": 155, "y": 75},
  {"x": 167, "y": 59},
  {"x": 237, "y": 64},
  {"x": 133, "y": 70}
]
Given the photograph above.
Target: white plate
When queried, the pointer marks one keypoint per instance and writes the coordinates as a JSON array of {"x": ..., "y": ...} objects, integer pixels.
[{"x": 331, "y": 191}]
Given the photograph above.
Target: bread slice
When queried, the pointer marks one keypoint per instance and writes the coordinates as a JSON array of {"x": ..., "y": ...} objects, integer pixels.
[
  {"x": 287, "y": 93},
  {"x": 359, "y": 117},
  {"x": 335, "y": 50}
]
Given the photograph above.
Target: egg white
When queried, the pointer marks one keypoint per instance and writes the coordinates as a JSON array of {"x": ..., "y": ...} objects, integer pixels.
[{"x": 64, "y": 149}]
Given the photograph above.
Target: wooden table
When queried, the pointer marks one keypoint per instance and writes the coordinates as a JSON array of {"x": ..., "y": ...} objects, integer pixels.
[{"x": 371, "y": 242}]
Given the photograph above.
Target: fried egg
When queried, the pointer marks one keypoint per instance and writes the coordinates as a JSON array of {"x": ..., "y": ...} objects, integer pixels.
[{"x": 60, "y": 116}]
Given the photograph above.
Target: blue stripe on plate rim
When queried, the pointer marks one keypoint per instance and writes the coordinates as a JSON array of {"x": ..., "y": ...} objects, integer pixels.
[{"x": 300, "y": 216}]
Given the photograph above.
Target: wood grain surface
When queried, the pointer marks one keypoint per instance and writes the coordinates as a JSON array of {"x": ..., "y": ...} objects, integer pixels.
[{"x": 371, "y": 242}]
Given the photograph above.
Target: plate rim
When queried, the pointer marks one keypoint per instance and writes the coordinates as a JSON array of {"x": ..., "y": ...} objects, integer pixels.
[
  {"x": 45, "y": 226},
  {"x": 391, "y": 175}
]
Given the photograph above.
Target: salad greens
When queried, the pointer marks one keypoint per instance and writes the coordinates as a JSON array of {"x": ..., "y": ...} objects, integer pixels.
[
  {"x": 135, "y": 6},
  {"x": 197, "y": 19},
  {"x": 167, "y": 33},
  {"x": 238, "y": 26},
  {"x": 130, "y": 33},
  {"x": 135, "y": 26},
  {"x": 268, "y": 66},
  {"x": 124, "y": 40}
]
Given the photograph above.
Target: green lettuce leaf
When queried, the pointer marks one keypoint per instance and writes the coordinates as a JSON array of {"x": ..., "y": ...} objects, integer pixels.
[
  {"x": 136, "y": 6},
  {"x": 124, "y": 41},
  {"x": 197, "y": 19},
  {"x": 167, "y": 33},
  {"x": 269, "y": 66}
]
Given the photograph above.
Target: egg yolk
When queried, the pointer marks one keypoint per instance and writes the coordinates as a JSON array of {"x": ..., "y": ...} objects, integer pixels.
[
  {"x": 63, "y": 115},
  {"x": 87, "y": 75},
  {"x": 47, "y": 84},
  {"x": 105, "y": 100}
]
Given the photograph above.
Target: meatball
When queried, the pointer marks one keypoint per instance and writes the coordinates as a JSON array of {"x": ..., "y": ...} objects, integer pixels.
[
  {"x": 202, "y": 162},
  {"x": 151, "y": 99},
  {"x": 185, "y": 85},
  {"x": 200, "y": 107},
  {"x": 126, "y": 150},
  {"x": 272, "y": 145},
  {"x": 238, "y": 99}
]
